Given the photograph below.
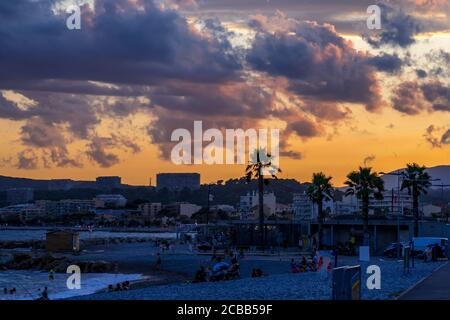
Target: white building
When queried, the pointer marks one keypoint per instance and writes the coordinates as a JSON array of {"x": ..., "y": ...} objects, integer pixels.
[
  {"x": 25, "y": 211},
  {"x": 110, "y": 200},
  {"x": 188, "y": 209},
  {"x": 248, "y": 203},
  {"x": 430, "y": 210},
  {"x": 150, "y": 209},
  {"x": 392, "y": 203},
  {"x": 67, "y": 206},
  {"x": 302, "y": 206},
  {"x": 305, "y": 209}
]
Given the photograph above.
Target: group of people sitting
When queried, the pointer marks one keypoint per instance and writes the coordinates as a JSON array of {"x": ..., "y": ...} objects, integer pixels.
[
  {"x": 220, "y": 271},
  {"x": 119, "y": 287},
  {"x": 304, "y": 265}
]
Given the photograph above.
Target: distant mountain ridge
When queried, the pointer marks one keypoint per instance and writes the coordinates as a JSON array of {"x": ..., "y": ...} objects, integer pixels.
[{"x": 13, "y": 182}]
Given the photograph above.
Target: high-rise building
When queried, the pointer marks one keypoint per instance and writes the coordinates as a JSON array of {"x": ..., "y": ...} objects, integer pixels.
[
  {"x": 19, "y": 196},
  {"x": 178, "y": 181},
  {"x": 108, "y": 183},
  {"x": 302, "y": 206},
  {"x": 250, "y": 202}
]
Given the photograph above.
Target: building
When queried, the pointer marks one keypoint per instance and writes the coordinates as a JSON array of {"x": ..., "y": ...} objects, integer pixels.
[
  {"x": 67, "y": 206},
  {"x": 24, "y": 211},
  {"x": 302, "y": 206},
  {"x": 62, "y": 241},
  {"x": 19, "y": 196},
  {"x": 178, "y": 181},
  {"x": 108, "y": 183},
  {"x": 248, "y": 203},
  {"x": 392, "y": 203},
  {"x": 182, "y": 209},
  {"x": 110, "y": 201},
  {"x": 150, "y": 210},
  {"x": 430, "y": 210}
]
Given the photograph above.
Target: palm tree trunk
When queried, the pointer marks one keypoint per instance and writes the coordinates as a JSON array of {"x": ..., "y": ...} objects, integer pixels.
[
  {"x": 320, "y": 224},
  {"x": 416, "y": 209},
  {"x": 261, "y": 207}
]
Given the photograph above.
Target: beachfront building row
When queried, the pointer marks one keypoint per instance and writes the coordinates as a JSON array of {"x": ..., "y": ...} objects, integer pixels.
[{"x": 392, "y": 204}]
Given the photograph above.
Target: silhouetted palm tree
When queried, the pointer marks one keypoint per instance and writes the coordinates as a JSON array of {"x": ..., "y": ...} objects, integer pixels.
[
  {"x": 417, "y": 181},
  {"x": 320, "y": 190},
  {"x": 364, "y": 183},
  {"x": 260, "y": 163}
]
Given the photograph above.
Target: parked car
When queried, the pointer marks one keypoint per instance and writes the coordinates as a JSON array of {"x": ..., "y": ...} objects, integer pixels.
[
  {"x": 393, "y": 249},
  {"x": 422, "y": 243}
]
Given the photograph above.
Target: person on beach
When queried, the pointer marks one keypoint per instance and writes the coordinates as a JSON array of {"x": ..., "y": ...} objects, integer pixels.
[
  {"x": 220, "y": 269},
  {"x": 294, "y": 267},
  {"x": 110, "y": 288},
  {"x": 158, "y": 261},
  {"x": 304, "y": 264},
  {"x": 200, "y": 275},
  {"x": 51, "y": 274},
  {"x": 5, "y": 290},
  {"x": 234, "y": 271},
  {"x": 257, "y": 273}
]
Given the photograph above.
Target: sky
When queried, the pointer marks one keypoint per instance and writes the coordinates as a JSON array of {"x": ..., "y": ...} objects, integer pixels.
[{"x": 105, "y": 99}]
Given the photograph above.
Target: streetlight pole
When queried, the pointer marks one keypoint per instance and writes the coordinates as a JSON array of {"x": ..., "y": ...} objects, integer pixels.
[
  {"x": 398, "y": 208},
  {"x": 207, "y": 207}
]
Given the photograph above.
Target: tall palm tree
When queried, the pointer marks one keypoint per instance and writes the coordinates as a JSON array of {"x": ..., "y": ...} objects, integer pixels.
[
  {"x": 259, "y": 164},
  {"x": 364, "y": 183},
  {"x": 319, "y": 191},
  {"x": 417, "y": 181}
]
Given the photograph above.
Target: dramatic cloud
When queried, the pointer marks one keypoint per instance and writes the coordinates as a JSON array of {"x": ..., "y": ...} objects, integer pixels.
[
  {"x": 408, "y": 98},
  {"x": 437, "y": 137},
  {"x": 304, "y": 128},
  {"x": 111, "y": 47},
  {"x": 437, "y": 94},
  {"x": 319, "y": 63},
  {"x": 398, "y": 28},
  {"x": 387, "y": 62}
]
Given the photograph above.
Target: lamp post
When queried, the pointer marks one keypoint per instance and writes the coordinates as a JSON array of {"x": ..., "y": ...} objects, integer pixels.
[
  {"x": 398, "y": 174},
  {"x": 444, "y": 205}
]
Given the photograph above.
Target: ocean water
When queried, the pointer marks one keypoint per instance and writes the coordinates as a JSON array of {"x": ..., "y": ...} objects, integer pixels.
[
  {"x": 21, "y": 235},
  {"x": 29, "y": 284}
]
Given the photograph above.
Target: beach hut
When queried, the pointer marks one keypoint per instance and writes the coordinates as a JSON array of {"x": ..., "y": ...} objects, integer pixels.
[{"x": 62, "y": 241}]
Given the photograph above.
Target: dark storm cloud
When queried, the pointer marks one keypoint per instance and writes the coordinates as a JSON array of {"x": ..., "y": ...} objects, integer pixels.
[
  {"x": 412, "y": 97},
  {"x": 390, "y": 63},
  {"x": 318, "y": 62},
  {"x": 98, "y": 152},
  {"x": 437, "y": 94},
  {"x": 398, "y": 28},
  {"x": 408, "y": 98},
  {"x": 117, "y": 44},
  {"x": 304, "y": 128}
]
